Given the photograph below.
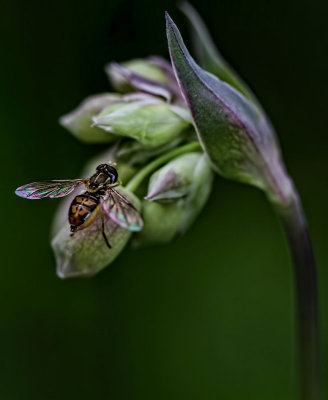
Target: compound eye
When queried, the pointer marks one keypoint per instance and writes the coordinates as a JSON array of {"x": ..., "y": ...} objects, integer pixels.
[
  {"x": 112, "y": 173},
  {"x": 113, "y": 178},
  {"x": 102, "y": 167}
]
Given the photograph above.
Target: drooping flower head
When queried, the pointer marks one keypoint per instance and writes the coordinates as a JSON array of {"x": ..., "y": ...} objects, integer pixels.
[{"x": 169, "y": 128}]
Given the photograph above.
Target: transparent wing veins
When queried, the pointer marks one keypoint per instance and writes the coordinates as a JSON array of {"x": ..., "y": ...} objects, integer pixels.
[
  {"x": 51, "y": 188},
  {"x": 122, "y": 211}
]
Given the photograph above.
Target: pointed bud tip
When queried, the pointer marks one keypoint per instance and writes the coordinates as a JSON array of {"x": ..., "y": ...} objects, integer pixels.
[
  {"x": 169, "y": 20},
  {"x": 153, "y": 196},
  {"x": 170, "y": 23},
  {"x": 64, "y": 120},
  {"x": 118, "y": 68}
]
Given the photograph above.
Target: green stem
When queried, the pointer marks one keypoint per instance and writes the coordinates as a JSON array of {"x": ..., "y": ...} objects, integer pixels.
[
  {"x": 144, "y": 172},
  {"x": 305, "y": 276}
]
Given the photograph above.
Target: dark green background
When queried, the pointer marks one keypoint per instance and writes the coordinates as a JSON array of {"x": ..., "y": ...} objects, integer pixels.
[{"x": 209, "y": 316}]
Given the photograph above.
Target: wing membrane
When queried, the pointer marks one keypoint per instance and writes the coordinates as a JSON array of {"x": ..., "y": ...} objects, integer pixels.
[
  {"x": 122, "y": 211},
  {"x": 51, "y": 189}
]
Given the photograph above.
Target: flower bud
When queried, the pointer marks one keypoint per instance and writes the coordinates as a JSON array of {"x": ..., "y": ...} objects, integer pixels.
[
  {"x": 79, "y": 121},
  {"x": 86, "y": 253},
  {"x": 233, "y": 131},
  {"x": 153, "y": 75},
  {"x": 162, "y": 223},
  {"x": 181, "y": 193},
  {"x": 179, "y": 178},
  {"x": 149, "y": 121},
  {"x": 139, "y": 67}
]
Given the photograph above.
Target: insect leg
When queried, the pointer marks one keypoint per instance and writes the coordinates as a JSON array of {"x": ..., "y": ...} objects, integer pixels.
[
  {"x": 103, "y": 228},
  {"x": 116, "y": 184}
]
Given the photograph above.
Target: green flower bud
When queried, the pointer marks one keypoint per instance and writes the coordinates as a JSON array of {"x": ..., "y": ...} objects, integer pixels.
[
  {"x": 154, "y": 76},
  {"x": 179, "y": 178},
  {"x": 149, "y": 121},
  {"x": 86, "y": 253},
  {"x": 163, "y": 221},
  {"x": 141, "y": 67},
  {"x": 79, "y": 121},
  {"x": 233, "y": 131}
]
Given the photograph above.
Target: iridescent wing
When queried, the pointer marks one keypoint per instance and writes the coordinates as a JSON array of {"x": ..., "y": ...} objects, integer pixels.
[
  {"x": 122, "y": 211},
  {"x": 52, "y": 189}
]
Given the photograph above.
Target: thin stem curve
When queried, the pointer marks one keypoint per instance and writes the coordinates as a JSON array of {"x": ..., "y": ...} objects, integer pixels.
[
  {"x": 306, "y": 293},
  {"x": 144, "y": 172}
]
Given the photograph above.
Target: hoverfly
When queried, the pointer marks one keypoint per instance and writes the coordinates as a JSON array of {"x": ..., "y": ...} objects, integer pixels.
[{"x": 99, "y": 198}]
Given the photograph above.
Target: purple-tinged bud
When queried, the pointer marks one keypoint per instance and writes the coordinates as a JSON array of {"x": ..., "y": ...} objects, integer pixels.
[
  {"x": 232, "y": 130},
  {"x": 153, "y": 75},
  {"x": 178, "y": 193},
  {"x": 180, "y": 177},
  {"x": 129, "y": 80}
]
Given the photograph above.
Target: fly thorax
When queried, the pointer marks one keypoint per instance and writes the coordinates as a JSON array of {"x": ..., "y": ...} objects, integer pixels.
[
  {"x": 98, "y": 180},
  {"x": 110, "y": 171}
]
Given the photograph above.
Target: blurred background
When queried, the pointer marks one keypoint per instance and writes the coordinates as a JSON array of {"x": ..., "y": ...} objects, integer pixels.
[{"x": 209, "y": 316}]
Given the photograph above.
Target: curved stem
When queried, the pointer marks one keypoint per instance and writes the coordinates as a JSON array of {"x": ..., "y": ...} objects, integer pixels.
[
  {"x": 142, "y": 174},
  {"x": 305, "y": 276}
]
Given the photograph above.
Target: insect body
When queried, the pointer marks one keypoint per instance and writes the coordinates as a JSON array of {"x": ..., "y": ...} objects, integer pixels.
[
  {"x": 83, "y": 210},
  {"x": 101, "y": 197}
]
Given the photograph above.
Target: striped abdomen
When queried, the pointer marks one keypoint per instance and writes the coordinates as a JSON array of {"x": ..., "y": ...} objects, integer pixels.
[{"x": 83, "y": 210}]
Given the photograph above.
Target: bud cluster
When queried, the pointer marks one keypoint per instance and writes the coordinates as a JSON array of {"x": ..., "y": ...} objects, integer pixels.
[
  {"x": 145, "y": 119},
  {"x": 170, "y": 127}
]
